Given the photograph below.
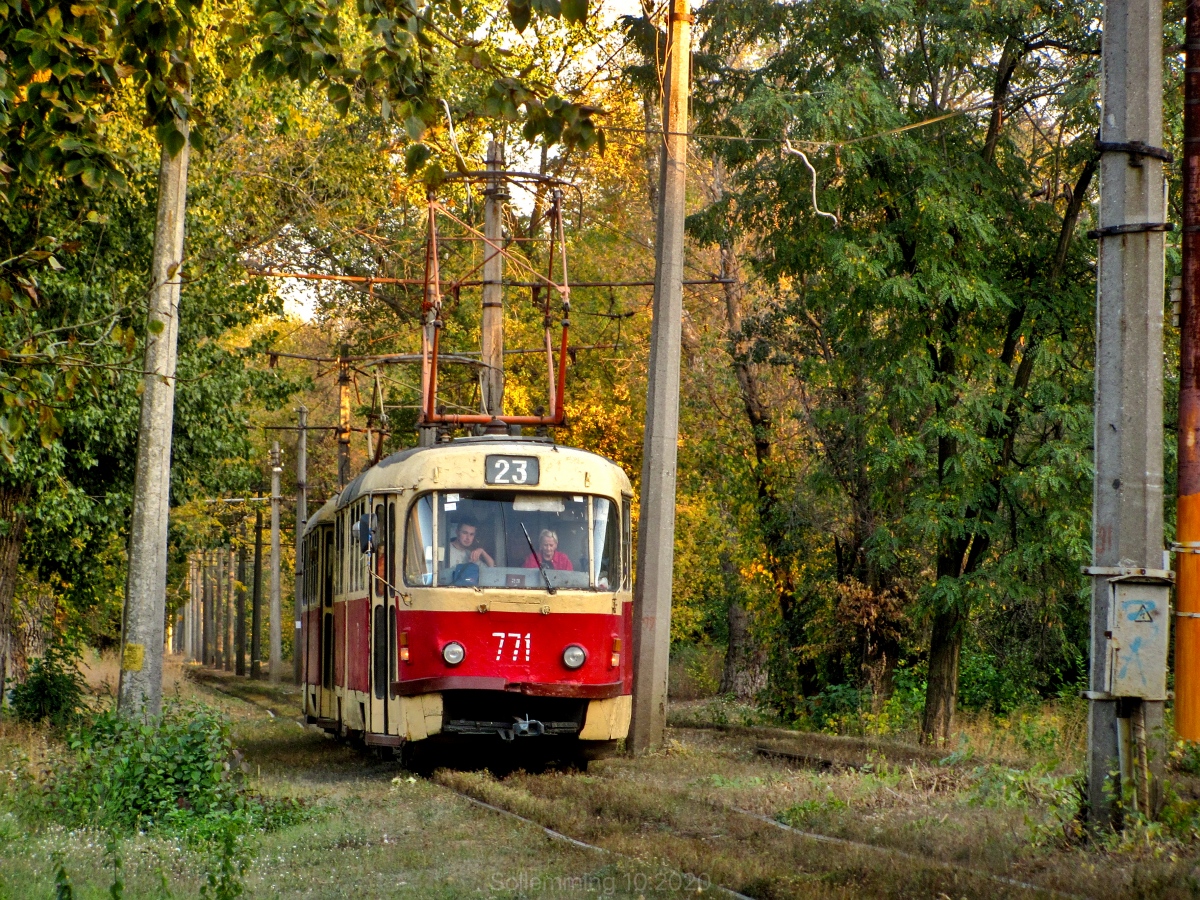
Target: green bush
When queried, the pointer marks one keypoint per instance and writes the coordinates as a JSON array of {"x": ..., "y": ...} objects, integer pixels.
[
  {"x": 179, "y": 771},
  {"x": 54, "y": 691}
]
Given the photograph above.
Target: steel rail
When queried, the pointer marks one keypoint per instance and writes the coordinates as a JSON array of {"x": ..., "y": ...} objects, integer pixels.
[{"x": 575, "y": 842}]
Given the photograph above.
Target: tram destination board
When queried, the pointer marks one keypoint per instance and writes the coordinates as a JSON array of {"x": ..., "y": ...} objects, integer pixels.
[{"x": 511, "y": 470}]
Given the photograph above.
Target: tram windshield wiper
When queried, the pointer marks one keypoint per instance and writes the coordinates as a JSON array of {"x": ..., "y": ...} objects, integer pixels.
[{"x": 537, "y": 558}]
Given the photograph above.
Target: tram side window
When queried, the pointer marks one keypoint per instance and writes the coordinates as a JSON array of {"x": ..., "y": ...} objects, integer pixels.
[
  {"x": 381, "y": 555},
  {"x": 418, "y": 543},
  {"x": 327, "y": 569},
  {"x": 336, "y": 565},
  {"x": 607, "y": 575},
  {"x": 390, "y": 531},
  {"x": 627, "y": 541}
]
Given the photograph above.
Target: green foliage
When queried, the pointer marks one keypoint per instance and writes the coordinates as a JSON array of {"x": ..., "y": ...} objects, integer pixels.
[
  {"x": 54, "y": 690},
  {"x": 815, "y": 814},
  {"x": 227, "y": 867},
  {"x": 938, "y": 341},
  {"x": 179, "y": 773},
  {"x": 1185, "y": 756},
  {"x": 62, "y": 882}
]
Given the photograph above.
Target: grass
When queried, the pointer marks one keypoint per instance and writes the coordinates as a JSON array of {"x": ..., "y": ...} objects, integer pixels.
[{"x": 919, "y": 822}]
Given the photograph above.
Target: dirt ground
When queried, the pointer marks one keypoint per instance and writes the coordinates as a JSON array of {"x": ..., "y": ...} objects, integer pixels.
[{"x": 762, "y": 812}]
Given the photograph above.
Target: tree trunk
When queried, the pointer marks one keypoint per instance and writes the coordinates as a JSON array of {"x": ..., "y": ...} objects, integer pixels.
[
  {"x": 745, "y": 672},
  {"x": 12, "y": 533},
  {"x": 139, "y": 692},
  {"x": 942, "y": 691},
  {"x": 33, "y": 620}
]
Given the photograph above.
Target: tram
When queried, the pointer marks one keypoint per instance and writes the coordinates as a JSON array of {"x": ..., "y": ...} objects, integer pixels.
[
  {"x": 475, "y": 588},
  {"x": 480, "y": 587}
]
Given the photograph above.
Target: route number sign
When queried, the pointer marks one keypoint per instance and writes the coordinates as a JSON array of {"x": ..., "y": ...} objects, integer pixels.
[{"x": 511, "y": 470}]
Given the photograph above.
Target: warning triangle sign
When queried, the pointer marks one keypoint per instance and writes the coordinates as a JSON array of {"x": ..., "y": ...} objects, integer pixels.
[{"x": 1143, "y": 615}]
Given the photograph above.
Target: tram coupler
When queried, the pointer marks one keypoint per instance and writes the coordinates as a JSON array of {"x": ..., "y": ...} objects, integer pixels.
[{"x": 526, "y": 727}]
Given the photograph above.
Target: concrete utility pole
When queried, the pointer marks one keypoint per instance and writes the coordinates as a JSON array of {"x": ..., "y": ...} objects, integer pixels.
[
  {"x": 492, "y": 326},
  {"x": 209, "y": 625},
  {"x": 275, "y": 664},
  {"x": 1129, "y": 624},
  {"x": 198, "y": 613},
  {"x": 221, "y": 643},
  {"x": 301, "y": 519},
  {"x": 139, "y": 692},
  {"x": 240, "y": 626},
  {"x": 256, "y": 601},
  {"x": 1187, "y": 531},
  {"x": 656, "y": 535},
  {"x": 230, "y": 624},
  {"x": 343, "y": 433},
  {"x": 189, "y": 611}
]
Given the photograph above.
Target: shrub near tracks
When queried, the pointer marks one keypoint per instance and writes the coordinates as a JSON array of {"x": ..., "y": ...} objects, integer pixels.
[{"x": 180, "y": 772}]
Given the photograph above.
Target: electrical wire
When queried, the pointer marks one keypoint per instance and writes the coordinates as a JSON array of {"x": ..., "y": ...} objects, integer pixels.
[{"x": 788, "y": 148}]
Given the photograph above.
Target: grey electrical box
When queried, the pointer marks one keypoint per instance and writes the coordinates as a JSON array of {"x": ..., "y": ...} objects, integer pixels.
[{"x": 1138, "y": 631}]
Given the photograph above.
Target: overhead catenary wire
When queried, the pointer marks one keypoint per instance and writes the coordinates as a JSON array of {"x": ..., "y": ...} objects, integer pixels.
[{"x": 808, "y": 144}]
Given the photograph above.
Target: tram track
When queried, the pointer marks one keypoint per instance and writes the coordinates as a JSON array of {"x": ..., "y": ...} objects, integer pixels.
[
  {"x": 765, "y": 867},
  {"x": 575, "y": 842},
  {"x": 663, "y": 826}
]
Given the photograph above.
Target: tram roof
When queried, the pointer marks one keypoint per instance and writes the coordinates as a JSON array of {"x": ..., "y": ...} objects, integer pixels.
[
  {"x": 324, "y": 515},
  {"x": 383, "y": 476}
]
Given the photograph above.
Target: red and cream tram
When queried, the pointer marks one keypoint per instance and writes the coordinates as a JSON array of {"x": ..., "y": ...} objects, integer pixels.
[{"x": 479, "y": 587}]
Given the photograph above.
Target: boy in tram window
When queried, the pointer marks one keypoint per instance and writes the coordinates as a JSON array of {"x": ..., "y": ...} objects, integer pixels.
[
  {"x": 551, "y": 556},
  {"x": 463, "y": 548}
]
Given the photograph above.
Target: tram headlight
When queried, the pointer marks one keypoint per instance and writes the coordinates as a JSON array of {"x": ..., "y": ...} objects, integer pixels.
[
  {"x": 574, "y": 656},
  {"x": 453, "y": 653}
]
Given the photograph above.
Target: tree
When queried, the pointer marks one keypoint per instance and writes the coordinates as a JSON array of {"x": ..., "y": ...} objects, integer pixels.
[{"x": 938, "y": 339}]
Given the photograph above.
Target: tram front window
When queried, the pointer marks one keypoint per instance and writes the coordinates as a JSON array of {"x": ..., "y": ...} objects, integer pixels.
[{"x": 501, "y": 539}]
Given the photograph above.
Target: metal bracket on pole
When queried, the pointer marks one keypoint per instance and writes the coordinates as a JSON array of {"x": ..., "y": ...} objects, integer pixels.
[
  {"x": 1131, "y": 228},
  {"x": 1137, "y": 150},
  {"x": 1129, "y": 572}
]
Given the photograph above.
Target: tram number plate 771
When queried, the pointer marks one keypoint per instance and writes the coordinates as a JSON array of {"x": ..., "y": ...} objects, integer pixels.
[
  {"x": 511, "y": 470},
  {"x": 515, "y": 642}
]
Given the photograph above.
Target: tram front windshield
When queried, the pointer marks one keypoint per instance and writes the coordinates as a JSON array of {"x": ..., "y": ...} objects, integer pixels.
[{"x": 502, "y": 539}]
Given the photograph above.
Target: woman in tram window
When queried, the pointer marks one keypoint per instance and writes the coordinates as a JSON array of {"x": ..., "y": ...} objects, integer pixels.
[{"x": 551, "y": 557}]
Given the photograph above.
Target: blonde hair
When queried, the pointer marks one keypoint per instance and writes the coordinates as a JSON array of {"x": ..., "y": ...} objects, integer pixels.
[{"x": 544, "y": 533}]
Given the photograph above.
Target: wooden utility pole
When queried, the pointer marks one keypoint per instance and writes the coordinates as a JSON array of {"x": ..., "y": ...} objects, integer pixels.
[
  {"x": 275, "y": 663},
  {"x": 1187, "y": 531},
  {"x": 139, "y": 692},
  {"x": 656, "y": 534},
  {"x": 1130, "y": 587},
  {"x": 256, "y": 601},
  {"x": 492, "y": 325},
  {"x": 343, "y": 434},
  {"x": 301, "y": 519},
  {"x": 240, "y": 626}
]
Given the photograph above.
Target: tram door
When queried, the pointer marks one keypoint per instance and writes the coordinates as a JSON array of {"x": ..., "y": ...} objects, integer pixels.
[
  {"x": 328, "y": 562},
  {"x": 381, "y": 635}
]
